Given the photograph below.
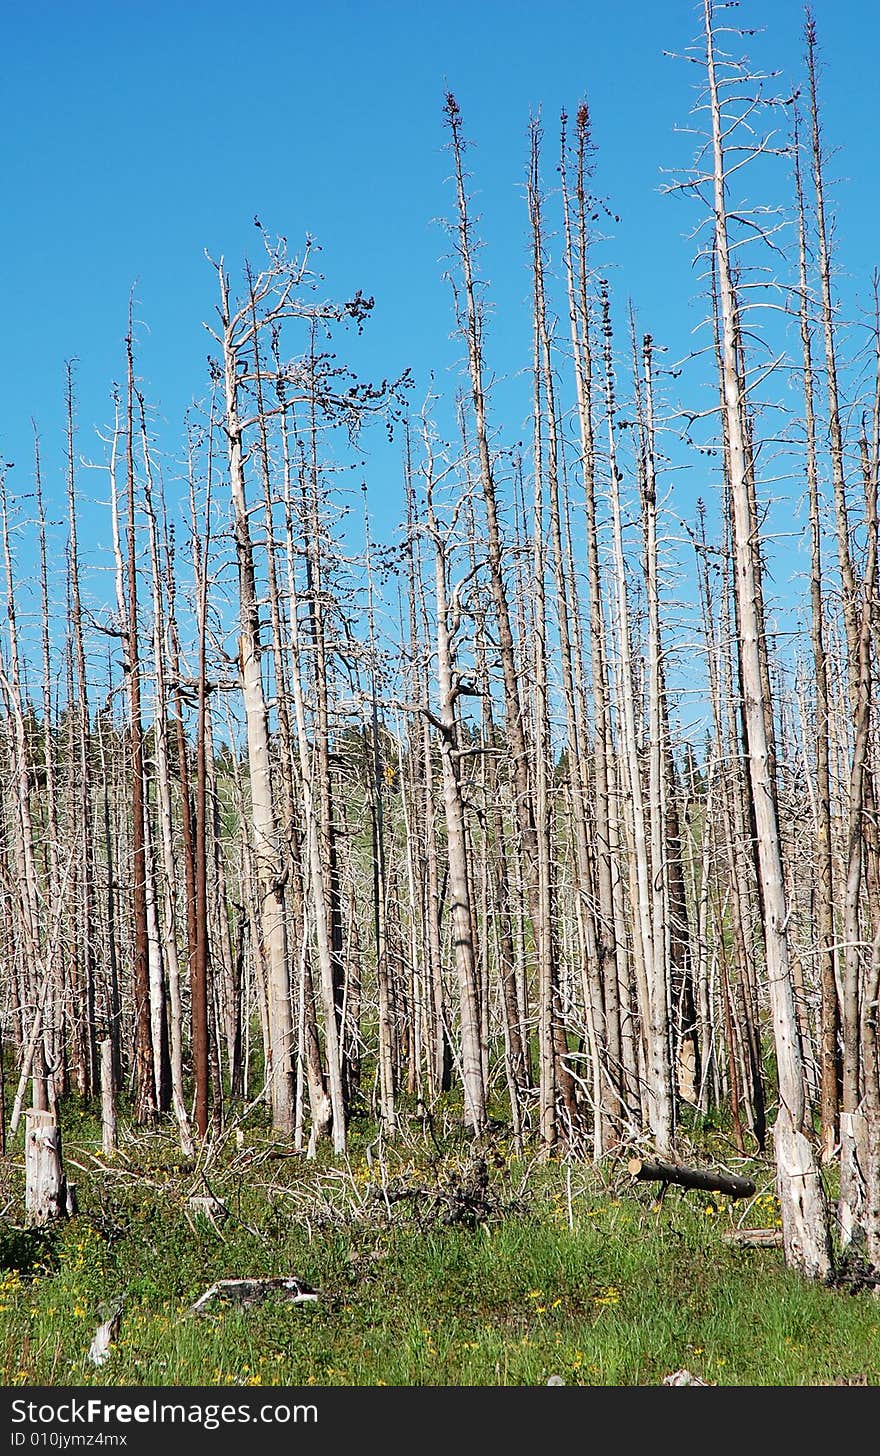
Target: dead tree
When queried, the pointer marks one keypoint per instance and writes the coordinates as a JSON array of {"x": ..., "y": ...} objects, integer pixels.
[
  {"x": 271, "y": 289},
  {"x": 620, "y": 1091},
  {"x": 649, "y": 934},
  {"x": 448, "y": 624},
  {"x": 147, "y": 1067},
  {"x": 829, "y": 1060},
  {"x": 804, "y": 1214}
]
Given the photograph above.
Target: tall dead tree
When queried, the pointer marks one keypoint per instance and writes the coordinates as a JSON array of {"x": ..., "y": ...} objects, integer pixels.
[
  {"x": 451, "y": 685},
  {"x": 829, "y": 1060},
  {"x": 544, "y": 930},
  {"x": 58, "y": 1049},
  {"x": 471, "y": 326},
  {"x": 649, "y": 935},
  {"x": 167, "y": 908},
  {"x": 85, "y": 815},
  {"x": 147, "y": 1068},
  {"x": 270, "y": 290},
  {"x": 804, "y": 1214},
  {"x": 610, "y": 946},
  {"x": 36, "y": 985}
]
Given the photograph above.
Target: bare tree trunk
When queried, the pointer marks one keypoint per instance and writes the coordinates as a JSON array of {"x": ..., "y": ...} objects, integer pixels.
[
  {"x": 113, "y": 1008},
  {"x": 87, "y": 869},
  {"x": 835, "y": 427},
  {"x": 464, "y": 940},
  {"x": 829, "y": 1060},
  {"x": 39, "y": 995},
  {"x": 146, "y": 1090},
  {"x": 270, "y": 871},
  {"x": 200, "y": 968},
  {"x": 108, "y": 1101},
  {"x": 619, "y": 1038},
  {"x": 310, "y": 1055},
  {"x": 852, "y": 1131},
  {"x": 166, "y": 824},
  {"x": 421, "y": 751},
  {"x": 387, "y": 1106},
  {"x": 649, "y": 945},
  {"x": 804, "y": 1215},
  {"x": 328, "y": 1105},
  {"x": 321, "y": 781},
  {"x": 471, "y": 325},
  {"x": 58, "y": 1052},
  {"x": 543, "y": 924}
]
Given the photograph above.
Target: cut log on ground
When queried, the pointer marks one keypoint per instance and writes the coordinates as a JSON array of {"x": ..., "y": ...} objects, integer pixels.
[
  {"x": 657, "y": 1172},
  {"x": 254, "y": 1291},
  {"x": 754, "y": 1238}
]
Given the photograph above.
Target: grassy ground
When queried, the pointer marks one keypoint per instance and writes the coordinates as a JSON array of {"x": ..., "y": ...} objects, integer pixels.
[{"x": 450, "y": 1267}]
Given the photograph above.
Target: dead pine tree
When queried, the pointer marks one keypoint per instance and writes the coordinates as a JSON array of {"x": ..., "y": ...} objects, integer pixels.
[
  {"x": 290, "y": 796},
  {"x": 861, "y": 851},
  {"x": 421, "y": 791},
  {"x": 723, "y": 831},
  {"x": 328, "y": 1101},
  {"x": 648, "y": 911},
  {"x": 271, "y": 289},
  {"x": 854, "y": 1204},
  {"x": 620, "y": 1093},
  {"x": 58, "y": 1049},
  {"x": 304, "y": 865},
  {"x": 388, "y": 1050},
  {"x": 603, "y": 1078},
  {"x": 668, "y": 901},
  {"x": 805, "y": 1227},
  {"x": 148, "y": 1047},
  {"x": 449, "y": 621},
  {"x": 544, "y": 931},
  {"x": 829, "y": 1059},
  {"x": 167, "y": 877},
  {"x": 199, "y": 960},
  {"x": 38, "y": 992},
  {"x": 470, "y": 323}
]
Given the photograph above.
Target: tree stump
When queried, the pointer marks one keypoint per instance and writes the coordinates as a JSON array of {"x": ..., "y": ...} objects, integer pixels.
[{"x": 45, "y": 1184}]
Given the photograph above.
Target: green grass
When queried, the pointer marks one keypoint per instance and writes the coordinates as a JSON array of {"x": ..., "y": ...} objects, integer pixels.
[{"x": 574, "y": 1272}]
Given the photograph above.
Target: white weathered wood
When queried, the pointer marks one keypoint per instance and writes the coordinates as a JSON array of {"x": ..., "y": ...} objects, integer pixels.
[
  {"x": 166, "y": 867},
  {"x": 104, "y": 1337},
  {"x": 45, "y": 1188},
  {"x": 648, "y": 930},
  {"x": 682, "y": 1377},
  {"x": 799, "y": 1188},
  {"x": 108, "y": 1100},
  {"x": 754, "y": 1238},
  {"x": 253, "y": 1291},
  {"x": 268, "y": 859}
]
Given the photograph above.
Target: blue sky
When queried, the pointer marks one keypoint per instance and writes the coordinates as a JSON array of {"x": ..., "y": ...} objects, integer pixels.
[{"x": 136, "y": 137}]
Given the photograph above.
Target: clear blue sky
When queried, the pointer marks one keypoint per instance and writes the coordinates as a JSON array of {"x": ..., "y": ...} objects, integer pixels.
[{"x": 137, "y": 136}]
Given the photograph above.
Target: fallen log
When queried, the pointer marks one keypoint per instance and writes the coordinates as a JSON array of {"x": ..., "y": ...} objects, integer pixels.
[
  {"x": 658, "y": 1172},
  {"x": 754, "y": 1238},
  {"x": 254, "y": 1291}
]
